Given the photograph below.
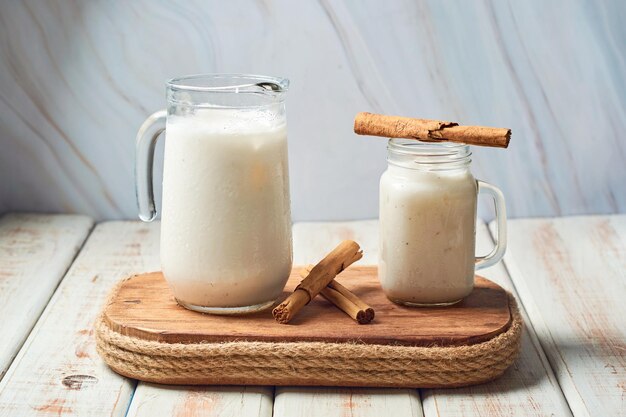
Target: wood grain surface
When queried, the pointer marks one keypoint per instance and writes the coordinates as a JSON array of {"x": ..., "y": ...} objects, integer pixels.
[
  {"x": 58, "y": 372},
  {"x": 528, "y": 388},
  {"x": 571, "y": 275},
  {"x": 345, "y": 402},
  {"x": 152, "y": 400},
  {"x": 35, "y": 252},
  {"x": 144, "y": 307}
]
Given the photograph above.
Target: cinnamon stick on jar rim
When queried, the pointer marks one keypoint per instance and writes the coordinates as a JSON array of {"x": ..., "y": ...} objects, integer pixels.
[
  {"x": 344, "y": 255},
  {"x": 430, "y": 130}
]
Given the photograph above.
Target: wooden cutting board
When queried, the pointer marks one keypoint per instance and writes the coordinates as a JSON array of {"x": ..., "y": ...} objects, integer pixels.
[{"x": 145, "y": 308}]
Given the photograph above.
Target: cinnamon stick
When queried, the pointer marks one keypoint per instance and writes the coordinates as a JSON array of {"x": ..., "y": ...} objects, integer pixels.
[
  {"x": 320, "y": 276},
  {"x": 346, "y": 301},
  {"x": 364, "y": 309},
  {"x": 345, "y": 305},
  {"x": 430, "y": 130}
]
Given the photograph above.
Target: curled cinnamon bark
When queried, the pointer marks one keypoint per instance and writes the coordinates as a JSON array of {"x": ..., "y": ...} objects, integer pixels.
[
  {"x": 354, "y": 306},
  {"x": 345, "y": 300},
  {"x": 430, "y": 130},
  {"x": 320, "y": 276}
]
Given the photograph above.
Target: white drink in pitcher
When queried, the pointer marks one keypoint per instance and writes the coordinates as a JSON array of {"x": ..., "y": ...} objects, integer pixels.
[
  {"x": 226, "y": 220},
  {"x": 226, "y": 228}
]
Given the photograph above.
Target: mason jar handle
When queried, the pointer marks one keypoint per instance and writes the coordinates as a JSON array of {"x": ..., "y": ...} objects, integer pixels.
[
  {"x": 498, "y": 251},
  {"x": 147, "y": 137}
]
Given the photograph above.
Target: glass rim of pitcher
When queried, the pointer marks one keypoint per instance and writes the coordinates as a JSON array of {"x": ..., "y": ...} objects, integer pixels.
[{"x": 238, "y": 83}]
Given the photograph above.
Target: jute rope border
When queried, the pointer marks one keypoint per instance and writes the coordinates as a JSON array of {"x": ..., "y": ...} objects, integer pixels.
[{"x": 308, "y": 363}]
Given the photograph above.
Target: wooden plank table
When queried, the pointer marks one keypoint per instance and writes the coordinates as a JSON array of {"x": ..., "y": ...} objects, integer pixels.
[
  {"x": 571, "y": 276},
  {"x": 35, "y": 253},
  {"x": 568, "y": 274}
]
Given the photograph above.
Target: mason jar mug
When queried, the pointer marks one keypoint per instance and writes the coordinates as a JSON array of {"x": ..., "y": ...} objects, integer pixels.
[{"x": 428, "y": 199}]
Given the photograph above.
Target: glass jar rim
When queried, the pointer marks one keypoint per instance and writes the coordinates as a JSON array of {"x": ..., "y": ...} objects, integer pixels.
[
  {"x": 416, "y": 147},
  {"x": 230, "y": 83},
  {"x": 414, "y": 154}
]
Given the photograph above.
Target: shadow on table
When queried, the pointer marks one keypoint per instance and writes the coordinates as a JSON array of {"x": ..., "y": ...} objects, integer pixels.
[
  {"x": 213, "y": 389},
  {"x": 602, "y": 355},
  {"x": 529, "y": 370}
]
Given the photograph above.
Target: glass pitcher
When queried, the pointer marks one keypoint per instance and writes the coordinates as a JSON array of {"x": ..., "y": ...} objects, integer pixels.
[
  {"x": 226, "y": 243},
  {"x": 428, "y": 199}
]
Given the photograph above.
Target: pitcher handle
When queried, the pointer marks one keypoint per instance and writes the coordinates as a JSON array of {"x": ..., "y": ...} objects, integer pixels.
[
  {"x": 147, "y": 137},
  {"x": 498, "y": 251}
]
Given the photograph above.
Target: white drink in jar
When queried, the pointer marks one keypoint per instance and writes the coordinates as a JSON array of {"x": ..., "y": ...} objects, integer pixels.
[
  {"x": 428, "y": 199},
  {"x": 427, "y": 222},
  {"x": 226, "y": 223}
]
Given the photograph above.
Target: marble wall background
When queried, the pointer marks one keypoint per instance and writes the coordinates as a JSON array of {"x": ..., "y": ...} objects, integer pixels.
[{"x": 77, "y": 78}]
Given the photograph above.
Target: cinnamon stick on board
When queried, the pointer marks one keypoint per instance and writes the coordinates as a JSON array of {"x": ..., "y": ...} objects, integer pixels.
[
  {"x": 430, "y": 130},
  {"x": 345, "y": 300},
  {"x": 320, "y": 276}
]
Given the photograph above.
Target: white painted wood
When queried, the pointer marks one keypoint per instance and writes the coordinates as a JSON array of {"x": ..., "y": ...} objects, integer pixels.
[
  {"x": 33, "y": 385},
  {"x": 571, "y": 276},
  {"x": 77, "y": 78},
  {"x": 528, "y": 388},
  {"x": 57, "y": 371},
  {"x": 35, "y": 252},
  {"x": 312, "y": 241},
  {"x": 340, "y": 402},
  {"x": 151, "y": 400}
]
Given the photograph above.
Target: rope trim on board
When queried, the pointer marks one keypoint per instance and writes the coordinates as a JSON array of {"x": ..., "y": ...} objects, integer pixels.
[{"x": 309, "y": 363}]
